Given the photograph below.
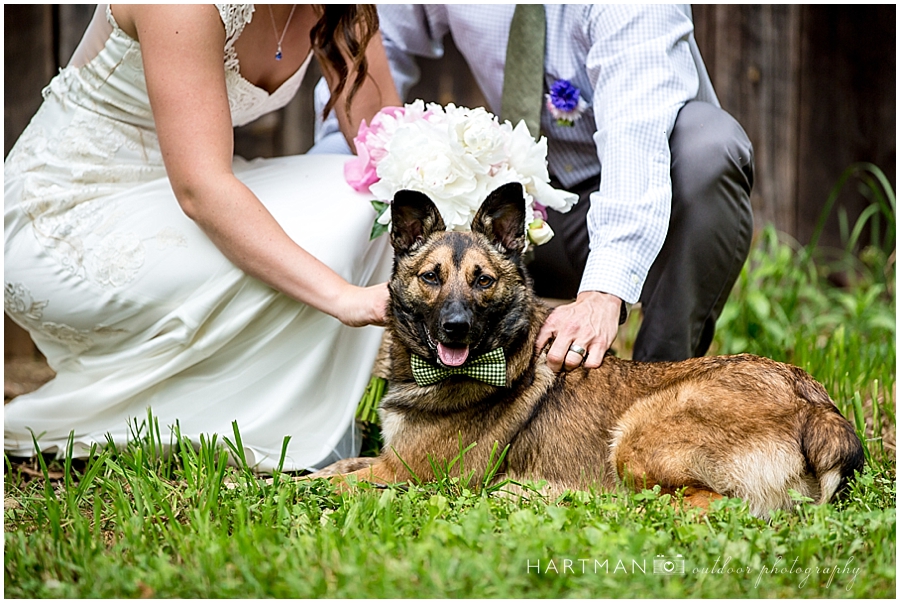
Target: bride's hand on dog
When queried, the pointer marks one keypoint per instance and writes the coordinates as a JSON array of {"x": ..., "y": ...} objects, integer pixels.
[
  {"x": 591, "y": 322},
  {"x": 364, "y": 306}
]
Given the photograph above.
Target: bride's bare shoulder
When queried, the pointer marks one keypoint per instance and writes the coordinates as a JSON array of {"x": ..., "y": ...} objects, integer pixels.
[{"x": 131, "y": 18}]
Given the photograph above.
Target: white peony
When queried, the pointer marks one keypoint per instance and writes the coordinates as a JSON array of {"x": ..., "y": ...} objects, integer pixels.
[
  {"x": 425, "y": 158},
  {"x": 457, "y": 156},
  {"x": 479, "y": 133}
]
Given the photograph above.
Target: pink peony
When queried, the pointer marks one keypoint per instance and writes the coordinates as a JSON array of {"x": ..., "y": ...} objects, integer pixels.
[{"x": 360, "y": 172}]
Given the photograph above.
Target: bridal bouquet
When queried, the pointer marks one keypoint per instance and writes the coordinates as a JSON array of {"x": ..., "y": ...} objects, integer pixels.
[{"x": 456, "y": 156}]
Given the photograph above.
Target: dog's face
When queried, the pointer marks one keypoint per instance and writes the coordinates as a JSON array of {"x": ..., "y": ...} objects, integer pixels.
[{"x": 455, "y": 295}]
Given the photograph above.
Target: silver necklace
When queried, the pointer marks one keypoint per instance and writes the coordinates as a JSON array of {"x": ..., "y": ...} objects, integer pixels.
[{"x": 280, "y": 39}]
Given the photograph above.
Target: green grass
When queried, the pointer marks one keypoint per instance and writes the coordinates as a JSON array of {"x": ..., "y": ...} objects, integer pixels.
[
  {"x": 134, "y": 532},
  {"x": 138, "y": 522}
]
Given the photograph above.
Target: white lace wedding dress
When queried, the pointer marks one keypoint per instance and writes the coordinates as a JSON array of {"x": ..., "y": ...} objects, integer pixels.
[{"x": 135, "y": 308}]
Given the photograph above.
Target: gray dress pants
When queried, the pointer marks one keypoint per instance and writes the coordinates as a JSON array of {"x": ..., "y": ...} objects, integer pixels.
[{"x": 708, "y": 239}]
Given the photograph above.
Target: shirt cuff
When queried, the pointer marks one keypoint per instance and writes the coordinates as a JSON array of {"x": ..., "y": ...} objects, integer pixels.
[{"x": 609, "y": 274}]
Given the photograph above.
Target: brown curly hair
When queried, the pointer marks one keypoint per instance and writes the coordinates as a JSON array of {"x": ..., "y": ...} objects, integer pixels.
[{"x": 343, "y": 32}]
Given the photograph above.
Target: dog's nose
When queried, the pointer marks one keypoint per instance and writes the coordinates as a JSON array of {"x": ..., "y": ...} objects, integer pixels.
[
  {"x": 456, "y": 329},
  {"x": 456, "y": 320}
]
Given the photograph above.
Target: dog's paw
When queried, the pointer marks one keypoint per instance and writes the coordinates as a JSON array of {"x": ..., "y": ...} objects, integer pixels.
[{"x": 343, "y": 467}]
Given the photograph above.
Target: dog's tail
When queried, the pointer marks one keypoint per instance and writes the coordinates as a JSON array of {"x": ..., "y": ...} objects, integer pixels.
[{"x": 829, "y": 442}]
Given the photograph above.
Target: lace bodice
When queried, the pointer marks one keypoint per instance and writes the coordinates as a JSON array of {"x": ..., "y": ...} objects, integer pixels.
[{"x": 249, "y": 102}]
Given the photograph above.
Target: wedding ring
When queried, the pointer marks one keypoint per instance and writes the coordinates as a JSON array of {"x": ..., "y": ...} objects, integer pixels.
[{"x": 578, "y": 350}]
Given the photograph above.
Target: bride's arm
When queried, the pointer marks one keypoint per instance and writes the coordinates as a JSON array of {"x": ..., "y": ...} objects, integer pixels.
[{"x": 182, "y": 47}]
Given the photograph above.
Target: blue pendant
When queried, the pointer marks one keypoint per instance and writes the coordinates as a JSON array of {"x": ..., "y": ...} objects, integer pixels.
[{"x": 278, "y": 56}]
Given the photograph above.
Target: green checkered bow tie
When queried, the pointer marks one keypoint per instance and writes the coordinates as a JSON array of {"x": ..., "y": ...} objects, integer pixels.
[{"x": 490, "y": 368}]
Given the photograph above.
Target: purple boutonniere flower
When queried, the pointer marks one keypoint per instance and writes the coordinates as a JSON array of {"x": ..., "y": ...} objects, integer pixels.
[{"x": 565, "y": 103}]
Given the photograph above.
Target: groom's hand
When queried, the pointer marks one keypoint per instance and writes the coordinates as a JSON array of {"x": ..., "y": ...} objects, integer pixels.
[{"x": 590, "y": 322}]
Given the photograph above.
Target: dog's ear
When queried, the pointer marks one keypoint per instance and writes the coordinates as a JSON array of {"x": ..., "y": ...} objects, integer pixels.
[
  {"x": 501, "y": 218},
  {"x": 413, "y": 218}
]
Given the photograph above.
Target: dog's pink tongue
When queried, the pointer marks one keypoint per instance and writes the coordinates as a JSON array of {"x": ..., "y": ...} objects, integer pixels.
[{"x": 452, "y": 356}]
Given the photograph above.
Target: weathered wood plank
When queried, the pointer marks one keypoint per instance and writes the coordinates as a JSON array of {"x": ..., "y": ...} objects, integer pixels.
[
  {"x": 847, "y": 106},
  {"x": 28, "y": 62},
  {"x": 751, "y": 53}
]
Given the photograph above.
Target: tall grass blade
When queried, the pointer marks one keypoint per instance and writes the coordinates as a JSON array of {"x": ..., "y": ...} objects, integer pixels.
[
  {"x": 237, "y": 451},
  {"x": 493, "y": 468},
  {"x": 407, "y": 467}
]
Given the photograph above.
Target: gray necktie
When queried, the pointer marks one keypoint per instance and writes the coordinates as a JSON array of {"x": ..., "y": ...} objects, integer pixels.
[{"x": 523, "y": 79}]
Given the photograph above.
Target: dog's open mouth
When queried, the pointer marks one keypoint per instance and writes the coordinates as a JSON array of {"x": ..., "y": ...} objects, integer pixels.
[
  {"x": 449, "y": 354},
  {"x": 452, "y": 355}
]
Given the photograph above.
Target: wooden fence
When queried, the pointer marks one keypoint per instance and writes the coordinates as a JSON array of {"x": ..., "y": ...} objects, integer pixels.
[{"x": 813, "y": 85}]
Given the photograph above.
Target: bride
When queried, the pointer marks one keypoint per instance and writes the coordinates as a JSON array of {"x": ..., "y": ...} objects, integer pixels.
[{"x": 156, "y": 270}]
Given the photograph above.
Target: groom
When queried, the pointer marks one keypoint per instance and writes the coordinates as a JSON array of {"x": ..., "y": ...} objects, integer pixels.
[{"x": 635, "y": 129}]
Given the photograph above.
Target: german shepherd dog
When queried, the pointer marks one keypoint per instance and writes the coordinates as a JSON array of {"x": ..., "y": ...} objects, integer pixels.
[{"x": 738, "y": 426}]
